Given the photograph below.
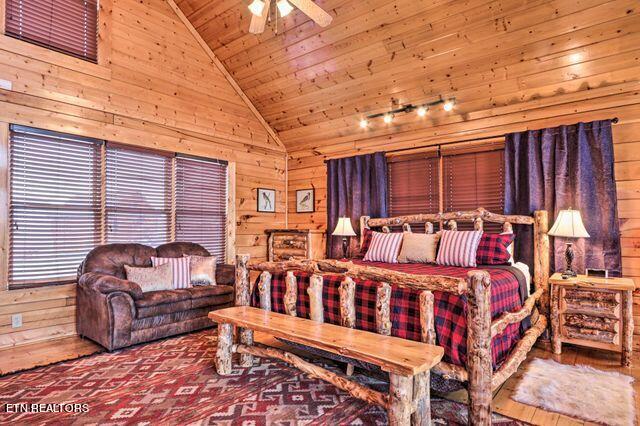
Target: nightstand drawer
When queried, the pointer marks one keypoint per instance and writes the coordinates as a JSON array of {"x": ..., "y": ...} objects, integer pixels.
[{"x": 599, "y": 303}]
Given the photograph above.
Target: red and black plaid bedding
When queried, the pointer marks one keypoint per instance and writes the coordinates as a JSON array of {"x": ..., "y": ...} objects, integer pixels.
[{"x": 450, "y": 309}]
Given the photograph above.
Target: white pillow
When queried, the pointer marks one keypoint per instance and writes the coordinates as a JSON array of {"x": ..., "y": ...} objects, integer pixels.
[
  {"x": 458, "y": 248},
  {"x": 384, "y": 247}
]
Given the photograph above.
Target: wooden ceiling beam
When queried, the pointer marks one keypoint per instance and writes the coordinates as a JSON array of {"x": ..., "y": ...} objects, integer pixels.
[{"x": 226, "y": 73}]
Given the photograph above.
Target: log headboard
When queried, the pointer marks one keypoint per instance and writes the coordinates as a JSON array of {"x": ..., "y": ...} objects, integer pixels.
[{"x": 539, "y": 221}]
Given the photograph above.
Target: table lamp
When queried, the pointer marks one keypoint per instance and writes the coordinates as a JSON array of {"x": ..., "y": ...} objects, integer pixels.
[
  {"x": 344, "y": 230},
  {"x": 569, "y": 225}
]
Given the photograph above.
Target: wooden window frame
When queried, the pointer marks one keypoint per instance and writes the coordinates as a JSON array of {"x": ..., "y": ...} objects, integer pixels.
[
  {"x": 231, "y": 225},
  {"x": 101, "y": 69}
]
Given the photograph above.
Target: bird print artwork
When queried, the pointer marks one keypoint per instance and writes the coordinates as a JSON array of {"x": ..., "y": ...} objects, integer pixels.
[
  {"x": 305, "y": 201},
  {"x": 266, "y": 200}
]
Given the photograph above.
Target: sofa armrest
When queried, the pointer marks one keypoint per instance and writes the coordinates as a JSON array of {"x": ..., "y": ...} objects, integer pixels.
[
  {"x": 225, "y": 274},
  {"x": 106, "y": 284}
]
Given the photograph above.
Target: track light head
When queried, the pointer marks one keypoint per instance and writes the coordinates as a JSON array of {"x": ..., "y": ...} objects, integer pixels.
[
  {"x": 421, "y": 111},
  {"x": 284, "y": 7},
  {"x": 364, "y": 123},
  {"x": 387, "y": 118},
  {"x": 257, "y": 7},
  {"x": 448, "y": 105}
]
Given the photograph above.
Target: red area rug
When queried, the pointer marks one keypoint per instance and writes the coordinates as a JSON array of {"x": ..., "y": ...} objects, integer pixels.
[{"x": 173, "y": 382}]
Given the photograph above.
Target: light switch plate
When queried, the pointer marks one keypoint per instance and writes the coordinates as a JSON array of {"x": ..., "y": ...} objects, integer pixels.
[
  {"x": 5, "y": 84},
  {"x": 16, "y": 320}
]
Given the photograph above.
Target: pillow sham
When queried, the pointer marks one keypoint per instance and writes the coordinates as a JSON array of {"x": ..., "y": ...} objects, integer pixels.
[
  {"x": 458, "y": 248},
  {"x": 151, "y": 279},
  {"x": 419, "y": 248},
  {"x": 180, "y": 266},
  {"x": 202, "y": 270},
  {"x": 510, "y": 248},
  {"x": 493, "y": 249},
  {"x": 384, "y": 247}
]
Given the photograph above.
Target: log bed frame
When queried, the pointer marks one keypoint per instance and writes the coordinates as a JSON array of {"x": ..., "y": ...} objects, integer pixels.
[{"x": 479, "y": 374}]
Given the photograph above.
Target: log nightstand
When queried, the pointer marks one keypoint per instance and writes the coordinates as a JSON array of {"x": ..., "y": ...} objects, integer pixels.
[{"x": 593, "y": 312}]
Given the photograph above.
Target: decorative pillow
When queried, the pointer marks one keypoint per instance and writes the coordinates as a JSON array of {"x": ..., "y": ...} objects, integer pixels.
[
  {"x": 180, "y": 265},
  {"x": 384, "y": 247},
  {"x": 419, "y": 248},
  {"x": 458, "y": 248},
  {"x": 151, "y": 279},
  {"x": 494, "y": 249},
  {"x": 510, "y": 248},
  {"x": 203, "y": 270},
  {"x": 367, "y": 234}
]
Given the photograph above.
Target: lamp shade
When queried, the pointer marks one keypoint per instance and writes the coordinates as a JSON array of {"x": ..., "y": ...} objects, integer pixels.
[
  {"x": 344, "y": 228},
  {"x": 569, "y": 225}
]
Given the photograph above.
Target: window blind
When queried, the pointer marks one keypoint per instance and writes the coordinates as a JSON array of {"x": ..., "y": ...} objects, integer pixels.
[
  {"x": 413, "y": 184},
  {"x": 69, "y": 26},
  {"x": 54, "y": 204},
  {"x": 138, "y": 196},
  {"x": 473, "y": 180},
  {"x": 201, "y": 203}
]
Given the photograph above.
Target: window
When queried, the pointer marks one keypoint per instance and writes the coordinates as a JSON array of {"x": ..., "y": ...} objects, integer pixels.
[
  {"x": 201, "y": 203},
  {"x": 69, "y": 194},
  {"x": 68, "y": 26},
  {"x": 471, "y": 178},
  {"x": 54, "y": 211},
  {"x": 138, "y": 200}
]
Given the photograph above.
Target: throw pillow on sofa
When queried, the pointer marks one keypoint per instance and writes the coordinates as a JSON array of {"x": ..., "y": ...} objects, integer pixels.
[
  {"x": 203, "y": 270},
  {"x": 180, "y": 265},
  {"x": 154, "y": 278}
]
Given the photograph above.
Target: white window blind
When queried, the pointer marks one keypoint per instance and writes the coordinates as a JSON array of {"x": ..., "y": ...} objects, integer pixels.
[
  {"x": 54, "y": 204},
  {"x": 138, "y": 198},
  {"x": 201, "y": 203}
]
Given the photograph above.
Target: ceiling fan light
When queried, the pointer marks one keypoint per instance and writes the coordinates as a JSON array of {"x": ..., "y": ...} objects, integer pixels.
[
  {"x": 448, "y": 105},
  {"x": 422, "y": 111},
  {"x": 387, "y": 118},
  {"x": 364, "y": 123},
  {"x": 257, "y": 7},
  {"x": 284, "y": 7}
]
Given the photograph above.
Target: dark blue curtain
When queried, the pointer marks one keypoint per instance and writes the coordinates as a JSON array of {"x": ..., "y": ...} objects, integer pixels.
[
  {"x": 356, "y": 186},
  {"x": 565, "y": 167}
]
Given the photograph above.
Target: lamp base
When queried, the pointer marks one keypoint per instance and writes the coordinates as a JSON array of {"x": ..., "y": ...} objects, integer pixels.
[
  {"x": 569, "y": 255},
  {"x": 345, "y": 247}
]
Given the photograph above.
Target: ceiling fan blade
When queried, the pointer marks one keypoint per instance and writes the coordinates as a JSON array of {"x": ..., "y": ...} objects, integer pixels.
[
  {"x": 313, "y": 11},
  {"x": 258, "y": 22}
]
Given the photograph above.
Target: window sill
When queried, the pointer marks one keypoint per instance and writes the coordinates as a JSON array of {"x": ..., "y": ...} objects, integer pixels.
[{"x": 52, "y": 57}]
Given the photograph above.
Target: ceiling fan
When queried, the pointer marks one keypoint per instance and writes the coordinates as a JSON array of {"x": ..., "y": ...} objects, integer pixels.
[{"x": 260, "y": 10}]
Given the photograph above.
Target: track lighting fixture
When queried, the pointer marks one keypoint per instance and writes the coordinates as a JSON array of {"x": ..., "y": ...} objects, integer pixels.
[
  {"x": 421, "y": 111},
  {"x": 257, "y": 7},
  {"x": 284, "y": 7}
]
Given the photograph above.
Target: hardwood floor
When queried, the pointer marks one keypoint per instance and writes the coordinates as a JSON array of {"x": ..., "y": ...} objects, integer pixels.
[
  {"x": 37, "y": 354},
  {"x": 24, "y": 357}
]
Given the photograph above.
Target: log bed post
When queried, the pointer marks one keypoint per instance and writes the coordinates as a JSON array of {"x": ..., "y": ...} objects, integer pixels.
[
  {"x": 541, "y": 257},
  {"x": 290, "y": 294},
  {"x": 427, "y": 328},
  {"x": 364, "y": 224},
  {"x": 243, "y": 298},
  {"x": 316, "y": 308},
  {"x": 479, "y": 362},
  {"x": 348, "y": 303},
  {"x": 383, "y": 309},
  {"x": 264, "y": 288}
]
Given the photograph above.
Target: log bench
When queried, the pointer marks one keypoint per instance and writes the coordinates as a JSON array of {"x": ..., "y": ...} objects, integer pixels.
[{"x": 407, "y": 362}]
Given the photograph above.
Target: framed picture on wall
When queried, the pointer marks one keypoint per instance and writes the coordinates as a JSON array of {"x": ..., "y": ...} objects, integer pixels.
[
  {"x": 266, "y": 200},
  {"x": 305, "y": 201}
]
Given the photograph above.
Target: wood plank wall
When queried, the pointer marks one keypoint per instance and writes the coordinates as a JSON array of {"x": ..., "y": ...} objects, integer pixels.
[{"x": 159, "y": 89}]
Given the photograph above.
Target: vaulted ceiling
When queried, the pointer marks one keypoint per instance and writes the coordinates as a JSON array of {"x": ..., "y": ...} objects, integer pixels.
[{"x": 313, "y": 84}]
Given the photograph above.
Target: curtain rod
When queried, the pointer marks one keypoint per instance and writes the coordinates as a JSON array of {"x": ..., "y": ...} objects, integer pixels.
[{"x": 614, "y": 120}]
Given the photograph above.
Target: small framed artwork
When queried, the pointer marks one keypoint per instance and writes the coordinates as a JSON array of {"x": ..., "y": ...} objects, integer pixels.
[
  {"x": 305, "y": 201},
  {"x": 266, "y": 200}
]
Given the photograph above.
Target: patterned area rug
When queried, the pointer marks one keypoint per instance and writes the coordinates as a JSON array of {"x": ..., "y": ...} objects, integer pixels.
[{"x": 173, "y": 381}]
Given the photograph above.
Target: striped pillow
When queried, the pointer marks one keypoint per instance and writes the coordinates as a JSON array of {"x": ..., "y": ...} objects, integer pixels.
[
  {"x": 181, "y": 271},
  {"x": 384, "y": 247},
  {"x": 458, "y": 248}
]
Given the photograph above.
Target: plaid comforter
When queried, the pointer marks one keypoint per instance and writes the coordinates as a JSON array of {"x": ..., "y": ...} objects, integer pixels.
[{"x": 450, "y": 309}]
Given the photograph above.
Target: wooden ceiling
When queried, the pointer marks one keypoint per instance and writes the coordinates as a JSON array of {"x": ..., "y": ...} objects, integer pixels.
[{"x": 314, "y": 84}]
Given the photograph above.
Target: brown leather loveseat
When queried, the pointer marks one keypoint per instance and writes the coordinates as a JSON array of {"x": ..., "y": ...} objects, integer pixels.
[{"x": 116, "y": 313}]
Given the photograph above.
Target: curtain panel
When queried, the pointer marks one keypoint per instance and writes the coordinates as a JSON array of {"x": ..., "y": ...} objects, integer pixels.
[
  {"x": 356, "y": 186},
  {"x": 559, "y": 168}
]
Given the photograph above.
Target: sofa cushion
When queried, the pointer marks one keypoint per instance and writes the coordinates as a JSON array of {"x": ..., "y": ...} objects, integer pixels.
[
  {"x": 179, "y": 249},
  {"x": 109, "y": 259},
  {"x": 210, "y": 295},
  {"x": 162, "y": 302}
]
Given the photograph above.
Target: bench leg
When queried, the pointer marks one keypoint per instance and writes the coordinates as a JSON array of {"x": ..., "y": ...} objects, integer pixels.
[
  {"x": 246, "y": 338},
  {"x": 223, "y": 353},
  {"x": 421, "y": 400},
  {"x": 400, "y": 396}
]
